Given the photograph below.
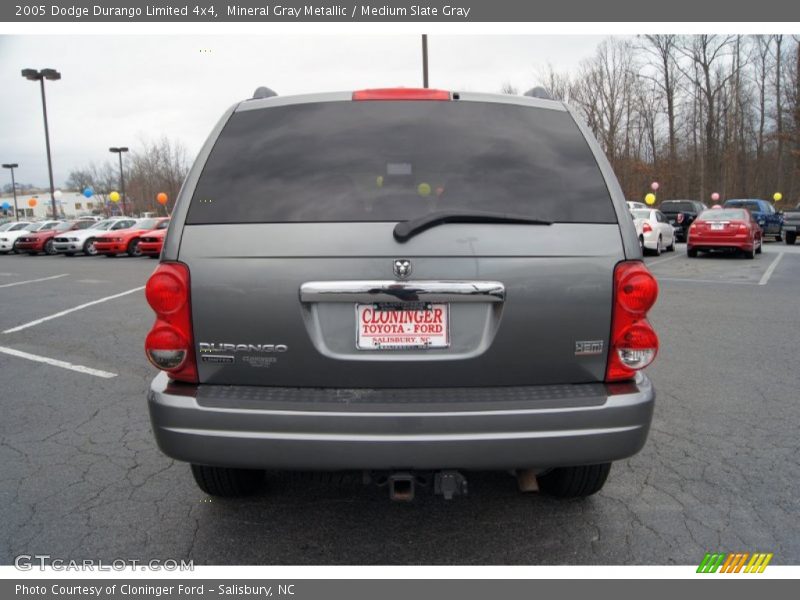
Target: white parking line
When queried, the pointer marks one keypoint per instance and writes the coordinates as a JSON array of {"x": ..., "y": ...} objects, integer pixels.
[
  {"x": 688, "y": 280},
  {"x": 770, "y": 269},
  {"x": 662, "y": 260},
  {"x": 5, "y": 285},
  {"x": 71, "y": 310},
  {"x": 57, "y": 363}
]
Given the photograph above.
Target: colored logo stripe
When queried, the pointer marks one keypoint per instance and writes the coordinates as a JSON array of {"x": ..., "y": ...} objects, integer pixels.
[{"x": 734, "y": 562}]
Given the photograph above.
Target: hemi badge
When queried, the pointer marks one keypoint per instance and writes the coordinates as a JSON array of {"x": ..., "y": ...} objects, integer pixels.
[{"x": 588, "y": 347}]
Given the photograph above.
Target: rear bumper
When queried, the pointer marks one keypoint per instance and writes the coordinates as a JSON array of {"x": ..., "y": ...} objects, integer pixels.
[
  {"x": 465, "y": 428},
  {"x": 720, "y": 244}
]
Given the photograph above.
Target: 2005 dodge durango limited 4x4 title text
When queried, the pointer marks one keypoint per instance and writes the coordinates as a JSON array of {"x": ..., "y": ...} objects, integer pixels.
[{"x": 411, "y": 283}]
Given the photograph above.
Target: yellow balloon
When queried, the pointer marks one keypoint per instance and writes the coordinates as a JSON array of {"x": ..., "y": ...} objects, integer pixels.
[
  {"x": 650, "y": 199},
  {"x": 777, "y": 196},
  {"x": 114, "y": 196},
  {"x": 424, "y": 189}
]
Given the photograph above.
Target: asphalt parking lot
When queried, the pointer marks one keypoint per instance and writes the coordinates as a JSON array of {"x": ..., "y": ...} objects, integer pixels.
[{"x": 82, "y": 477}]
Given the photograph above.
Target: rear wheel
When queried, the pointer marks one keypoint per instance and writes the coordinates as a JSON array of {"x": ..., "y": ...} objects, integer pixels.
[
  {"x": 657, "y": 251},
  {"x": 791, "y": 237},
  {"x": 751, "y": 254},
  {"x": 575, "y": 482},
  {"x": 691, "y": 252},
  {"x": 88, "y": 247},
  {"x": 671, "y": 247},
  {"x": 227, "y": 482},
  {"x": 133, "y": 248}
]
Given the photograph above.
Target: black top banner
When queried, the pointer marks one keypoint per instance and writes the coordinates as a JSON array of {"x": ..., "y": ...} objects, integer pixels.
[{"x": 711, "y": 11}]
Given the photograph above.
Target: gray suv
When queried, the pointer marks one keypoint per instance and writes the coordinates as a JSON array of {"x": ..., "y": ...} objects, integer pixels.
[{"x": 409, "y": 283}]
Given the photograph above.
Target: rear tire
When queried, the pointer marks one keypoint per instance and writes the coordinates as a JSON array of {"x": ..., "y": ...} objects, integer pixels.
[
  {"x": 575, "y": 482},
  {"x": 227, "y": 482},
  {"x": 691, "y": 252},
  {"x": 791, "y": 237},
  {"x": 671, "y": 247},
  {"x": 750, "y": 254}
]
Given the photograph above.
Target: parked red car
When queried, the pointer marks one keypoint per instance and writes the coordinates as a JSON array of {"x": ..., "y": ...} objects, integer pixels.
[
  {"x": 732, "y": 229},
  {"x": 152, "y": 242},
  {"x": 42, "y": 240},
  {"x": 128, "y": 241}
]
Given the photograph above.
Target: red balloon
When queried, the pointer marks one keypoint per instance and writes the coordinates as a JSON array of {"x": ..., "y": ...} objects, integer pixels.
[{"x": 162, "y": 198}]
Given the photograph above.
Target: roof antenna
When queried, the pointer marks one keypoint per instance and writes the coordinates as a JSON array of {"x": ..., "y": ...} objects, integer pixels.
[
  {"x": 263, "y": 92},
  {"x": 538, "y": 92}
]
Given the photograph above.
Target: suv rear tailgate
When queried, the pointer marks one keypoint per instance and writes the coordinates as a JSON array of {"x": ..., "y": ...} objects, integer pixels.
[{"x": 246, "y": 284}]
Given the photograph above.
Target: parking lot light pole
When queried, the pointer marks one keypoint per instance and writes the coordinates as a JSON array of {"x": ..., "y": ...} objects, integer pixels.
[
  {"x": 424, "y": 60},
  {"x": 40, "y": 76},
  {"x": 13, "y": 166},
  {"x": 119, "y": 152}
]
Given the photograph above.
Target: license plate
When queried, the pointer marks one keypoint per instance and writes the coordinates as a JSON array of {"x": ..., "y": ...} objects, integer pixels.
[
  {"x": 403, "y": 326},
  {"x": 717, "y": 226}
]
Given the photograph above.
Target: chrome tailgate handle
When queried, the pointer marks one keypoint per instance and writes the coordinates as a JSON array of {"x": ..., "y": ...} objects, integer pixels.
[{"x": 402, "y": 291}]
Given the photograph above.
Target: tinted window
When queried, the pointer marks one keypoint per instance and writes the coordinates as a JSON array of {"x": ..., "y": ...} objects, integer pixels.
[
  {"x": 748, "y": 204},
  {"x": 640, "y": 214},
  {"x": 675, "y": 207},
  {"x": 391, "y": 161}
]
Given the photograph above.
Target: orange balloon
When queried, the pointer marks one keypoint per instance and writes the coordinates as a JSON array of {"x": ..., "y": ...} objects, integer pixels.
[
  {"x": 162, "y": 198},
  {"x": 32, "y": 202}
]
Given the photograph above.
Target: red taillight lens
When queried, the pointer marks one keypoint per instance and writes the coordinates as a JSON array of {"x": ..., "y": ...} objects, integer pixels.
[
  {"x": 646, "y": 228},
  {"x": 170, "y": 344},
  {"x": 165, "y": 291},
  {"x": 634, "y": 343},
  {"x": 401, "y": 94},
  {"x": 636, "y": 289}
]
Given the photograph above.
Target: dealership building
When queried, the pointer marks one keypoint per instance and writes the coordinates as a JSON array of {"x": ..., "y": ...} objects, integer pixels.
[{"x": 69, "y": 205}]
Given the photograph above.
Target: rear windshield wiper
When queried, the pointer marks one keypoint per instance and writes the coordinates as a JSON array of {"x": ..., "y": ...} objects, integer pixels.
[{"x": 405, "y": 230}]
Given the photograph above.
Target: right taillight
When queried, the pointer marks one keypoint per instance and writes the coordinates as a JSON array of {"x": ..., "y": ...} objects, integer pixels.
[
  {"x": 634, "y": 343},
  {"x": 169, "y": 345},
  {"x": 646, "y": 228}
]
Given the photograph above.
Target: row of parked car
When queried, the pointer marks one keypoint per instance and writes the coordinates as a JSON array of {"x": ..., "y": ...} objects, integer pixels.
[
  {"x": 737, "y": 225},
  {"x": 87, "y": 235}
]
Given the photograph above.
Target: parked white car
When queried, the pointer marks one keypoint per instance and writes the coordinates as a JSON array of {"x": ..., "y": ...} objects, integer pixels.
[
  {"x": 654, "y": 231},
  {"x": 9, "y": 238},
  {"x": 82, "y": 240}
]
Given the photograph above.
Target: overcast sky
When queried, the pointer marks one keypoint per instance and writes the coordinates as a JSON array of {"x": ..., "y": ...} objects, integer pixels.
[{"x": 118, "y": 90}]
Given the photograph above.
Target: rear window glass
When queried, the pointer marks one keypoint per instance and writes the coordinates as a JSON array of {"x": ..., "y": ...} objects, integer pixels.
[
  {"x": 677, "y": 207},
  {"x": 640, "y": 214},
  {"x": 752, "y": 206},
  {"x": 393, "y": 161},
  {"x": 719, "y": 215}
]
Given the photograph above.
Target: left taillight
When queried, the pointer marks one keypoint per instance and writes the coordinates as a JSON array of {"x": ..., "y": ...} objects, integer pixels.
[
  {"x": 169, "y": 345},
  {"x": 634, "y": 343}
]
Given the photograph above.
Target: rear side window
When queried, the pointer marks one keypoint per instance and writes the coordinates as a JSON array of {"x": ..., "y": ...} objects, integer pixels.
[{"x": 394, "y": 161}]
